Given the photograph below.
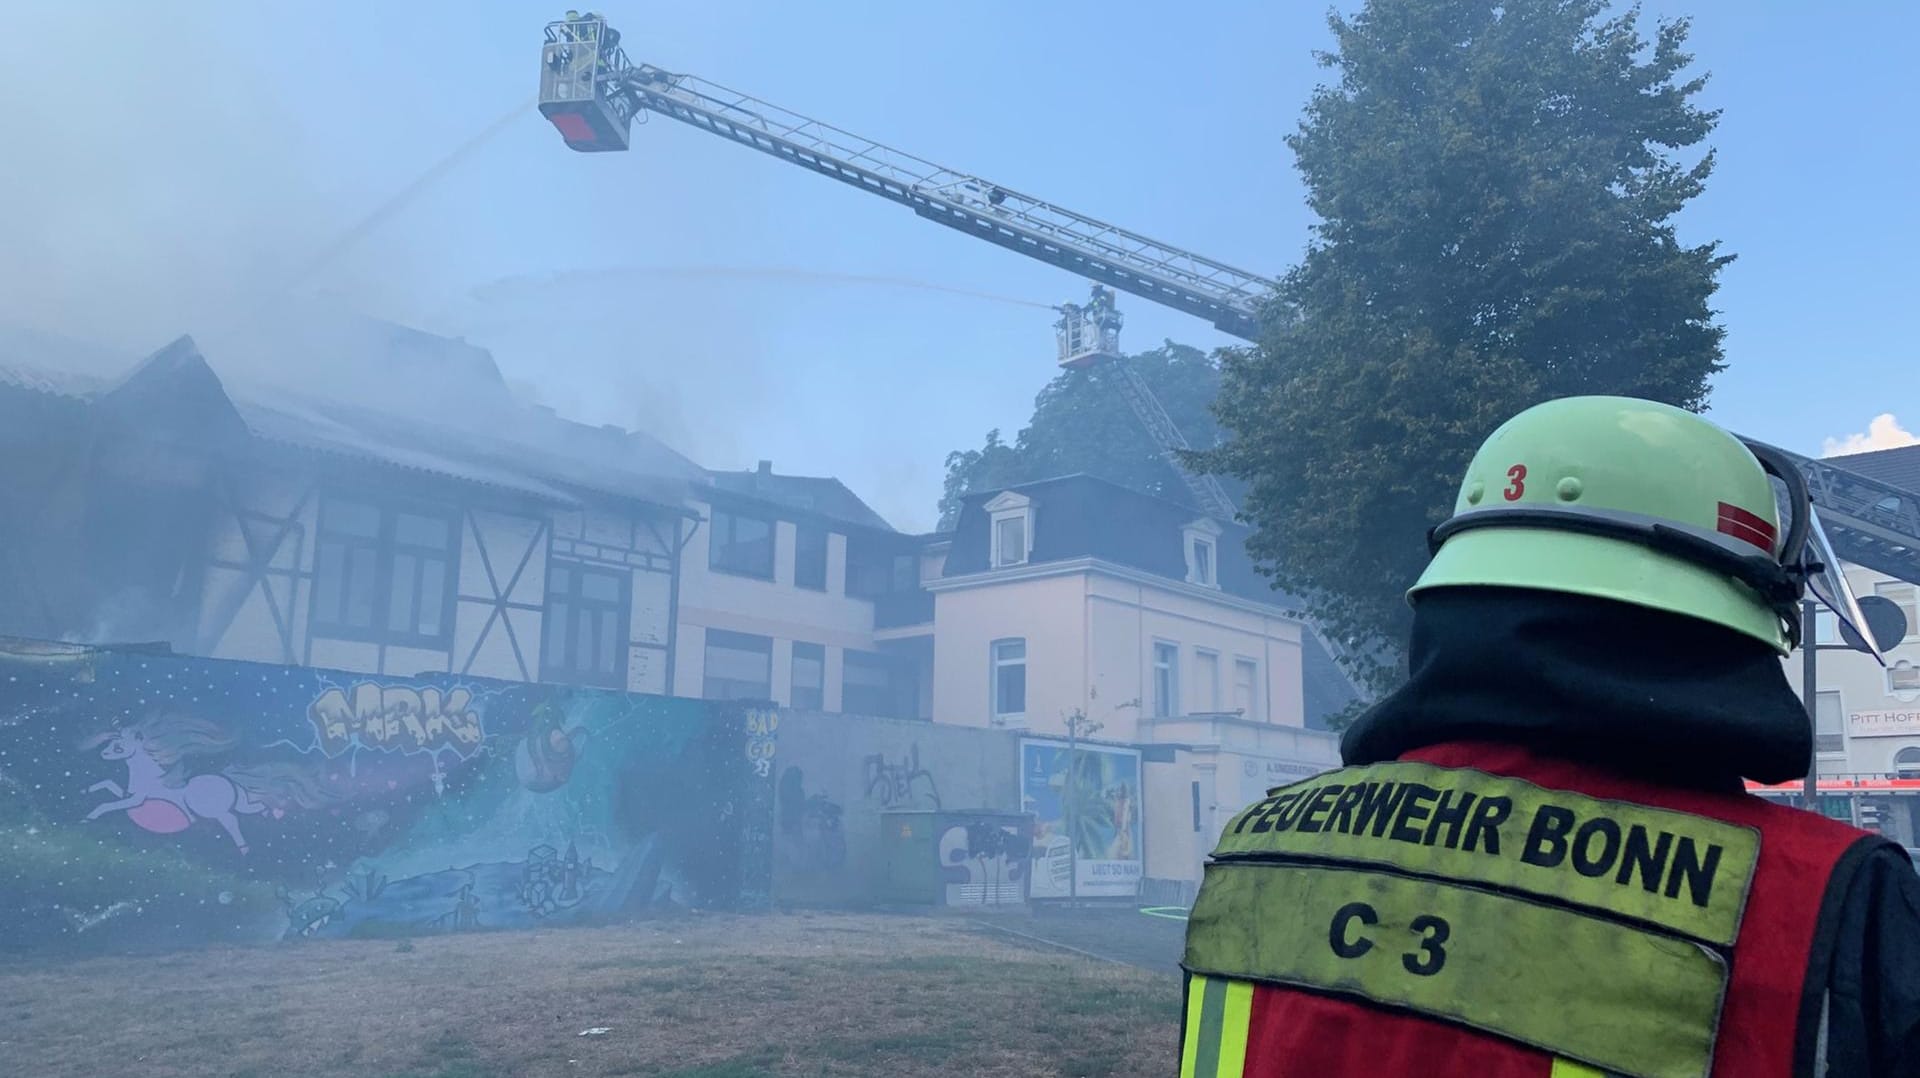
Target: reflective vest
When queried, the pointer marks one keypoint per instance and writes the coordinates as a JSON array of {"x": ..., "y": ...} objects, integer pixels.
[{"x": 1479, "y": 909}]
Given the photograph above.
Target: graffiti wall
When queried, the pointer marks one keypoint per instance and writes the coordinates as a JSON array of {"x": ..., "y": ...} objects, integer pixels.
[
  {"x": 985, "y": 860},
  {"x": 836, "y": 774},
  {"x": 167, "y": 800},
  {"x": 1086, "y": 803}
]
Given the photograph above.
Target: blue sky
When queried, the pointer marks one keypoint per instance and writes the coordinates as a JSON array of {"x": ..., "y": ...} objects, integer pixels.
[{"x": 211, "y": 148}]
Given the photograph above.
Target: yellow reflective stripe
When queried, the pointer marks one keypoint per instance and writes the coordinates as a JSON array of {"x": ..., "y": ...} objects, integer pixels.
[
  {"x": 1685, "y": 873},
  {"x": 1618, "y": 995},
  {"x": 1233, "y": 1029},
  {"x": 1567, "y": 1068},
  {"x": 1189, "y": 1052},
  {"x": 1218, "y": 1011}
]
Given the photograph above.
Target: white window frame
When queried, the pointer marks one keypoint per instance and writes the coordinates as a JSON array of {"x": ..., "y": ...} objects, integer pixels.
[
  {"x": 994, "y": 665},
  {"x": 1202, "y": 533},
  {"x": 1006, "y": 506},
  {"x": 1209, "y": 687},
  {"x": 1169, "y": 707},
  {"x": 1255, "y": 709},
  {"x": 1905, "y": 666},
  {"x": 815, "y": 655},
  {"x": 1840, "y": 726}
]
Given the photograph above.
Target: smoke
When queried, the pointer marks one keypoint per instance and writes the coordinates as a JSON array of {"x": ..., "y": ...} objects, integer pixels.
[
  {"x": 514, "y": 287},
  {"x": 406, "y": 195},
  {"x": 156, "y": 181},
  {"x": 1884, "y": 432},
  {"x": 170, "y": 169}
]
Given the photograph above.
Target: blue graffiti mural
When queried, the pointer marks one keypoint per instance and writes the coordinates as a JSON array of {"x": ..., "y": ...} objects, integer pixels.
[{"x": 155, "y": 797}]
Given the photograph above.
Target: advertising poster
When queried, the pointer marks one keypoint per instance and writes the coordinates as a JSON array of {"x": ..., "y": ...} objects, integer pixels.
[{"x": 1086, "y": 808}]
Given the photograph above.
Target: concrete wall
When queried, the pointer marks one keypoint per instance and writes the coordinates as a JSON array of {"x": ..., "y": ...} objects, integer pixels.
[
  {"x": 1235, "y": 764},
  {"x": 836, "y": 774}
]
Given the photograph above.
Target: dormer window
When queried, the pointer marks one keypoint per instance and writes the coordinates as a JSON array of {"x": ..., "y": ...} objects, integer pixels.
[
  {"x": 1012, "y": 517},
  {"x": 1010, "y": 540},
  {"x": 1202, "y": 539}
]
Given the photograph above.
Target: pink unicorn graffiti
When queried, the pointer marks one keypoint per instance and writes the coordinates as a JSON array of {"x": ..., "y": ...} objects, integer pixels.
[{"x": 161, "y": 797}]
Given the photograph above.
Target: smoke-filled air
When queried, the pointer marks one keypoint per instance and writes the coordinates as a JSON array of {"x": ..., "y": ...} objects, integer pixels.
[{"x": 767, "y": 540}]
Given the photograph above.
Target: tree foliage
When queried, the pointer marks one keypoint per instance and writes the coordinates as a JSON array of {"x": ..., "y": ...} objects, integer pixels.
[
  {"x": 1082, "y": 424},
  {"x": 1495, "y": 182}
]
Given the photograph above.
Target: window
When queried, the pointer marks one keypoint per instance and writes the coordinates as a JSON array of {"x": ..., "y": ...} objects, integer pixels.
[
  {"x": 1166, "y": 683},
  {"x": 1826, "y": 730},
  {"x": 1196, "y": 808},
  {"x": 739, "y": 667},
  {"x": 741, "y": 544},
  {"x": 875, "y": 569},
  {"x": 809, "y": 676},
  {"x": 1010, "y": 682},
  {"x": 1246, "y": 688},
  {"x": 1903, "y": 676},
  {"x": 1826, "y": 628},
  {"x": 1202, "y": 539},
  {"x": 906, "y": 573},
  {"x": 872, "y": 684},
  {"x": 1906, "y": 762},
  {"x": 384, "y": 574},
  {"x": 1011, "y": 538},
  {"x": 1203, "y": 562},
  {"x": 1009, "y": 541},
  {"x": 586, "y": 625},
  {"x": 810, "y": 557},
  {"x": 1206, "y": 680},
  {"x": 1902, "y": 594}
]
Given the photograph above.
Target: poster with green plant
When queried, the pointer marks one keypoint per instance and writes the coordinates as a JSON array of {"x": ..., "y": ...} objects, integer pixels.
[{"x": 1085, "y": 800}]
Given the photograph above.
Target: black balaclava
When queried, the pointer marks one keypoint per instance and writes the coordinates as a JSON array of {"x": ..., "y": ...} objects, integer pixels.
[{"x": 1641, "y": 692}]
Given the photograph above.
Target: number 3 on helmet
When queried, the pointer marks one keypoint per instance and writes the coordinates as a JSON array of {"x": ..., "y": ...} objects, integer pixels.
[{"x": 1634, "y": 501}]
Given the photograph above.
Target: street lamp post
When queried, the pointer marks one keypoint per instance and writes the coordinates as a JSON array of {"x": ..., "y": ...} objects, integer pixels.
[
  {"x": 1077, "y": 723},
  {"x": 1810, "y": 693},
  {"x": 1882, "y": 620}
]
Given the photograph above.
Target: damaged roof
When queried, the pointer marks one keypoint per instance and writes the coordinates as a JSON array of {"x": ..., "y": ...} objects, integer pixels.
[
  {"x": 444, "y": 410},
  {"x": 818, "y": 496},
  {"x": 53, "y": 365}
]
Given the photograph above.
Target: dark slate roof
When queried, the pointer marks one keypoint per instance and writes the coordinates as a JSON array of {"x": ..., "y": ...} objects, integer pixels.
[
  {"x": 1081, "y": 516},
  {"x": 1900, "y": 467},
  {"x": 816, "y": 496}
]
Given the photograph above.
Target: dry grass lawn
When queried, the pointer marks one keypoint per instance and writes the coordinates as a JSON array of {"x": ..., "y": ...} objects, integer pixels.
[{"x": 704, "y": 997}]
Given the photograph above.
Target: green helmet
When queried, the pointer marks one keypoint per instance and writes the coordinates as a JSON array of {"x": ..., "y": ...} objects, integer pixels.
[{"x": 1634, "y": 501}]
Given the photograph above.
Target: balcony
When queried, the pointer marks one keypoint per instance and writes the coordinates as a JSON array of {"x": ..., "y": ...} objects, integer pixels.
[{"x": 1229, "y": 730}]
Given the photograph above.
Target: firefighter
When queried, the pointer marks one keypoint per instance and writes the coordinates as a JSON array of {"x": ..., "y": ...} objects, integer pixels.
[{"x": 1540, "y": 860}]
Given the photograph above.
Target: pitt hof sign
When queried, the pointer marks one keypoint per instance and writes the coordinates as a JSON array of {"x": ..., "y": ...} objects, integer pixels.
[{"x": 1884, "y": 724}]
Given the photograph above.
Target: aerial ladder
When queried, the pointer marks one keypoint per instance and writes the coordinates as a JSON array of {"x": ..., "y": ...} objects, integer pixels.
[{"x": 592, "y": 93}]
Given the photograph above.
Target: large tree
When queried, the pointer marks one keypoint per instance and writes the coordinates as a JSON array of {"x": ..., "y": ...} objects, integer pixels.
[
  {"x": 1081, "y": 423},
  {"x": 1496, "y": 183}
]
